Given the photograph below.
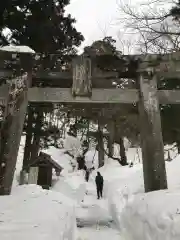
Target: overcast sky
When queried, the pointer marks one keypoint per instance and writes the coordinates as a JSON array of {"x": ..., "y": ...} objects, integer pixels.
[
  {"x": 99, "y": 18},
  {"x": 95, "y": 18}
]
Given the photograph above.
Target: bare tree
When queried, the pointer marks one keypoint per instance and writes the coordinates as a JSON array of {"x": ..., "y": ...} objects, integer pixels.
[
  {"x": 153, "y": 25},
  {"x": 125, "y": 44}
]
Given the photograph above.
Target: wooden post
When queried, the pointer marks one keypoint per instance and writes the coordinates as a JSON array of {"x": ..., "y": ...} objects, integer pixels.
[
  {"x": 111, "y": 129},
  {"x": 29, "y": 131},
  {"x": 12, "y": 129},
  {"x": 122, "y": 152},
  {"x": 37, "y": 135},
  {"x": 27, "y": 147},
  {"x": 82, "y": 77},
  {"x": 151, "y": 134},
  {"x": 33, "y": 175},
  {"x": 100, "y": 145}
]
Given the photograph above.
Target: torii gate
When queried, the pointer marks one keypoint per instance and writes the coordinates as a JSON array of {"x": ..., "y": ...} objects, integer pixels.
[{"x": 150, "y": 68}]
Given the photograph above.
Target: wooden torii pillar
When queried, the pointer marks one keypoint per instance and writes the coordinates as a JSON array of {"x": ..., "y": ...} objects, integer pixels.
[
  {"x": 151, "y": 133},
  {"x": 12, "y": 126},
  {"x": 111, "y": 129}
]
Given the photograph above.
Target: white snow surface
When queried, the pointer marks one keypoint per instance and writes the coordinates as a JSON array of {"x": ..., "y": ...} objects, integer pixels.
[
  {"x": 154, "y": 215},
  {"x": 73, "y": 145},
  {"x": 62, "y": 159},
  {"x": 72, "y": 186},
  {"x": 91, "y": 159},
  {"x": 137, "y": 215},
  {"x": 17, "y": 49},
  {"x": 33, "y": 213}
]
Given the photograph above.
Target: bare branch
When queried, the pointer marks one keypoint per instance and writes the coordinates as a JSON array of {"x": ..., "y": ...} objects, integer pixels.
[{"x": 153, "y": 24}]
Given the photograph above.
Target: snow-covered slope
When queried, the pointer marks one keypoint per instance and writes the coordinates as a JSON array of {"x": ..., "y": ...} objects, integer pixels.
[
  {"x": 63, "y": 159},
  {"x": 154, "y": 215},
  {"x": 33, "y": 213},
  {"x": 72, "y": 185},
  {"x": 139, "y": 216},
  {"x": 142, "y": 216}
]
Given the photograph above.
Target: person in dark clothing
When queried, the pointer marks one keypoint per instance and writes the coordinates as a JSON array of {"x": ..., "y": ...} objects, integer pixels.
[
  {"x": 99, "y": 185},
  {"x": 87, "y": 175},
  {"x": 81, "y": 162}
]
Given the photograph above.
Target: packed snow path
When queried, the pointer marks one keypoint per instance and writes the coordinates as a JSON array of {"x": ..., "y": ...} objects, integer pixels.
[{"x": 93, "y": 218}]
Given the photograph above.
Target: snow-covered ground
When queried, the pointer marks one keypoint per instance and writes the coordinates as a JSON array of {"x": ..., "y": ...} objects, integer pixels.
[
  {"x": 94, "y": 220},
  {"x": 139, "y": 215},
  {"x": 33, "y": 213},
  {"x": 154, "y": 215},
  {"x": 126, "y": 212},
  {"x": 93, "y": 217}
]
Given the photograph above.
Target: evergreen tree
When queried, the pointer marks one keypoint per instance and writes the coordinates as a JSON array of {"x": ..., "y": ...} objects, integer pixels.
[
  {"x": 40, "y": 24},
  {"x": 175, "y": 11}
]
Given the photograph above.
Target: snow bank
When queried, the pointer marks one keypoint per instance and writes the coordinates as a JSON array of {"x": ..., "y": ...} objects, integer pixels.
[
  {"x": 64, "y": 160},
  {"x": 17, "y": 49},
  {"x": 150, "y": 216},
  {"x": 119, "y": 185},
  {"x": 72, "y": 145},
  {"x": 91, "y": 158},
  {"x": 34, "y": 213},
  {"x": 173, "y": 174},
  {"x": 72, "y": 185},
  {"x": 134, "y": 155},
  {"x": 143, "y": 216}
]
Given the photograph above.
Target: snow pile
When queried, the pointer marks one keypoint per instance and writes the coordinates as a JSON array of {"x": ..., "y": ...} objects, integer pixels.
[
  {"x": 34, "y": 213},
  {"x": 150, "y": 216},
  {"x": 120, "y": 183},
  {"x": 134, "y": 155},
  {"x": 93, "y": 212},
  {"x": 173, "y": 175},
  {"x": 91, "y": 159},
  {"x": 72, "y": 145},
  {"x": 143, "y": 216},
  {"x": 64, "y": 160},
  {"x": 72, "y": 185},
  {"x": 17, "y": 49}
]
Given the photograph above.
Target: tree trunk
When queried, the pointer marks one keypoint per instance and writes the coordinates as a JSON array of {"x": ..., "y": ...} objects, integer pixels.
[
  {"x": 100, "y": 146},
  {"x": 178, "y": 146},
  {"x": 151, "y": 134},
  {"x": 122, "y": 152},
  {"x": 37, "y": 137},
  {"x": 27, "y": 148},
  {"x": 111, "y": 139},
  {"x": 29, "y": 131}
]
